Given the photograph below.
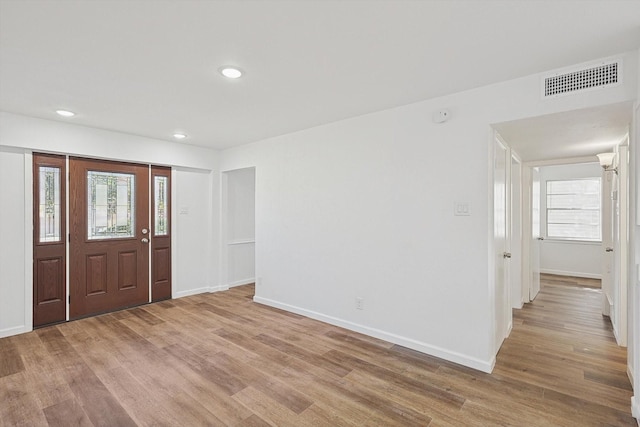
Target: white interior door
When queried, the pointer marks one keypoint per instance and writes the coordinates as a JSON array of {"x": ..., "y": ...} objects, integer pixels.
[
  {"x": 500, "y": 209},
  {"x": 536, "y": 234},
  {"x": 515, "y": 264},
  {"x": 620, "y": 252},
  {"x": 607, "y": 242}
]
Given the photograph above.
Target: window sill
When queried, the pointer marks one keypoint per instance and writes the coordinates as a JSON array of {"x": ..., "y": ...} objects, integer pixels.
[{"x": 572, "y": 242}]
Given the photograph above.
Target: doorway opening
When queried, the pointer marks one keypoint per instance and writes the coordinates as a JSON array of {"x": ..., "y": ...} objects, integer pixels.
[{"x": 238, "y": 228}]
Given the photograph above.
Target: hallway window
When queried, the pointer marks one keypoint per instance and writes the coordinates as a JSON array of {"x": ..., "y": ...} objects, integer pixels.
[{"x": 573, "y": 209}]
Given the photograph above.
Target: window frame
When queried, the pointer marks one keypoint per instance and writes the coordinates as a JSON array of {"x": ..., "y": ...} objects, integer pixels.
[{"x": 573, "y": 238}]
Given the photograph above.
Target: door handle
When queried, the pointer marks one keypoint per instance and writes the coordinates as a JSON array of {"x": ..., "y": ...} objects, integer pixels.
[
  {"x": 144, "y": 240},
  {"x": 506, "y": 255},
  {"x": 609, "y": 250},
  {"x": 540, "y": 238}
]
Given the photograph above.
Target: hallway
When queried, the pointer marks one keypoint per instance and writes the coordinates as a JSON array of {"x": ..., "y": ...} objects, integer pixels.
[{"x": 562, "y": 343}]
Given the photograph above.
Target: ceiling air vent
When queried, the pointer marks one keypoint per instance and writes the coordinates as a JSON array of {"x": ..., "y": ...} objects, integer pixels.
[{"x": 602, "y": 75}]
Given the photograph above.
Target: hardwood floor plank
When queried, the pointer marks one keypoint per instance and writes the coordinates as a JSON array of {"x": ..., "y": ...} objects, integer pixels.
[
  {"x": 225, "y": 380},
  {"x": 17, "y": 406},
  {"x": 10, "y": 359},
  {"x": 100, "y": 405},
  {"x": 334, "y": 367},
  {"x": 220, "y": 359},
  {"x": 67, "y": 414}
]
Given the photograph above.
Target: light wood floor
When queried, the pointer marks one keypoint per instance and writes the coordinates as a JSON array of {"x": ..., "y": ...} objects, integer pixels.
[{"x": 220, "y": 359}]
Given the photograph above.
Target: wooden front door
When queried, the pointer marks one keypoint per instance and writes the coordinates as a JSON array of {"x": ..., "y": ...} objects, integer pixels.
[
  {"x": 109, "y": 236},
  {"x": 49, "y": 239}
]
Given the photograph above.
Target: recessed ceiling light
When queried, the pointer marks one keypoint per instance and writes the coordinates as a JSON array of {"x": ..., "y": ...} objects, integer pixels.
[
  {"x": 65, "y": 113},
  {"x": 179, "y": 135},
  {"x": 230, "y": 72}
]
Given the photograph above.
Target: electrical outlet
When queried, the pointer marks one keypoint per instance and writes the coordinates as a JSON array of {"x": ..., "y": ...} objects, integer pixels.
[{"x": 360, "y": 303}]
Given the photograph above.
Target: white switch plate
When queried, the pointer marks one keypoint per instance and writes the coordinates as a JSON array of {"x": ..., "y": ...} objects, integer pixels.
[{"x": 462, "y": 208}]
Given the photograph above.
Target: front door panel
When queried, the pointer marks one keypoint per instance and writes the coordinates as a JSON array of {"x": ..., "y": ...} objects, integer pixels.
[
  {"x": 49, "y": 239},
  {"x": 109, "y": 246}
]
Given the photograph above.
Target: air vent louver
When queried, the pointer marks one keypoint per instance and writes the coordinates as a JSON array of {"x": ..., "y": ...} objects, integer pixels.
[{"x": 605, "y": 74}]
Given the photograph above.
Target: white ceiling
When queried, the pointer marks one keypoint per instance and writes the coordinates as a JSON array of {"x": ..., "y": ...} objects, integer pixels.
[
  {"x": 578, "y": 133},
  {"x": 149, "y": 67}
]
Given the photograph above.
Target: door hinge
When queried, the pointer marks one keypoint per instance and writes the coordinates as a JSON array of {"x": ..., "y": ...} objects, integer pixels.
[
  {"x": 69, "y": 237},
  {"x": 69, "y": 299}
]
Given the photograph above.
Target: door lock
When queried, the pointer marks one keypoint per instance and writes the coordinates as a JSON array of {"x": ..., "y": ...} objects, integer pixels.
[{"x": 145, "y": 231}]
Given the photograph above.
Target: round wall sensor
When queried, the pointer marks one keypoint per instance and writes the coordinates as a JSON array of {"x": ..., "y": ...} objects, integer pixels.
[{"x": 441, "y": 116}]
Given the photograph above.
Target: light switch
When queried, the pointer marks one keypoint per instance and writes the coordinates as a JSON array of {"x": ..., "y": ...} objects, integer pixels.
[{"x": 462, "y": 209}]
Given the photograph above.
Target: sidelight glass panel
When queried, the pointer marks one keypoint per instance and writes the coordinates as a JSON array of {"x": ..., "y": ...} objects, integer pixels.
[
  {"x": 110, "y": 205},
  {"x": 49, "y": 203},
  {"x": 160, "y": 203}
]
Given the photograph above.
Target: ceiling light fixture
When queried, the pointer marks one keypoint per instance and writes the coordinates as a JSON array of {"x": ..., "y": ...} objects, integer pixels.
[
  {"x": 179, "y": 135},
  {"x": 65, "y": 113},
  {"x": 230, "y": 72}
]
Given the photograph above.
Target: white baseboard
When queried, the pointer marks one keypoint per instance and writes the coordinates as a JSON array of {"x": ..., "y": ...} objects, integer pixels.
[
  {"x": 197, "y": 291},
  {"x": 14, "y": 331},
  {"x": 462, "y": 359},
  {"x": 635, "y": 407},
  {"x": 242, "y": 282},
  {"x": 571, "y": 273}
]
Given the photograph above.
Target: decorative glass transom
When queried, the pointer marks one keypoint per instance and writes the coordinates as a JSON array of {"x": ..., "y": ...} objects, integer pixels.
[
  {"x": 111, "y": 205},
  {"x": 50, "y": 219},
  {"x": 161, "y": 214}
]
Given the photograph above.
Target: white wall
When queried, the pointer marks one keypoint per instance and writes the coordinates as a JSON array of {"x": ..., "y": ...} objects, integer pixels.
[
  {"x": 239, "y": 226},
  {"x": 580, "y": 259},
  {"x": 363, "y": 208},
  {"x": 633, "y": 349},
  {"x": 195, "y": 256},
  {"x": 15, "y": 296},
  {"x": 193, "y": 241}
]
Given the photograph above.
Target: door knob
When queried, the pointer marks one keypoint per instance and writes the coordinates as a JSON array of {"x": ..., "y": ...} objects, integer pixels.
[
  {"x": 609, "y": 249},
  {"x": 506, "y": 255},
  {"x": 145, "y": 240}
]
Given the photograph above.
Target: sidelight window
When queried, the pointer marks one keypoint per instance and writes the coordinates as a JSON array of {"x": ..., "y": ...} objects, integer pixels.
[
  {"x": 50, "y": 219},
  {"x": 160, "y": 206}
]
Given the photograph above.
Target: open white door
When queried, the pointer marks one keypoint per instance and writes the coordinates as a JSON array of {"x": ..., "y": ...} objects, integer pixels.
[
  {"x": 515, "y": 264},
  {"x": 536, "y": 235},
  {"x": 615, "y": 232},
  {"x": 501, "y": 229},
  {"x": 607, "y": 241}
]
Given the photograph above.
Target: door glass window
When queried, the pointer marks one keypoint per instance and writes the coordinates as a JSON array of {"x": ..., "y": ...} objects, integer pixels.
[
  {"x": 49, "y": 204},
  {"x": 111, "y": 207},
  {"x": 161, "y": 214}
]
